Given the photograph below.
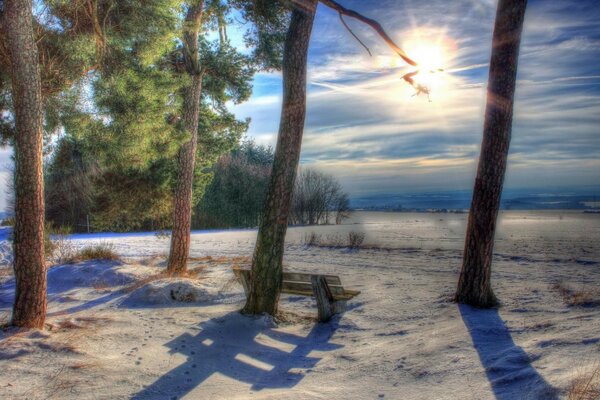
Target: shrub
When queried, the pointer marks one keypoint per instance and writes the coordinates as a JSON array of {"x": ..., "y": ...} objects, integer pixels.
[
  {"x": 355, "y": 239},
  {"x": 100, "y": 251},
  {"x": 311, "y": 239},
  {"x": 62, "y": 247}
]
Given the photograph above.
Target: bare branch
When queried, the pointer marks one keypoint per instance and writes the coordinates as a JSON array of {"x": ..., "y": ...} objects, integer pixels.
[
  {"x": 373, "y": 24},
  {"x": 353, "y": 34},
  {"x": 343, "y": 11}
]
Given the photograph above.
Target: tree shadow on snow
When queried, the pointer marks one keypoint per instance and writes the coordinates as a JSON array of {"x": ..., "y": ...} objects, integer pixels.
[
  {"x": 242, "y": 348},
  {"x": 507, "y": 366}
]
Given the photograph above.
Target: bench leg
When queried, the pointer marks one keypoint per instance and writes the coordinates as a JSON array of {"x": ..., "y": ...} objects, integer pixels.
[
  {"x": 339, "y": 306},
  {"x": 325, "y": 302}
]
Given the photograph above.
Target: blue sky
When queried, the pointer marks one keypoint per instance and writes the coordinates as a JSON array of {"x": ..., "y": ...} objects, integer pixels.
[{"x": 364, "y": 126}]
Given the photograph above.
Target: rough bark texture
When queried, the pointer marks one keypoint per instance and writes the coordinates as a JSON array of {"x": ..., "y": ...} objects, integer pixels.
[
  {"x": 186, "y": 160},
  {"x": 268, "y": 254},
  {"x": 29, "y": 309},
  {"x": 474, "y": 285}
]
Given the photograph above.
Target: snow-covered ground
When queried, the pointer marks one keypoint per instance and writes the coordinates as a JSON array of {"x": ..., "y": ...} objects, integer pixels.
[{"x": 115, "y": 334}]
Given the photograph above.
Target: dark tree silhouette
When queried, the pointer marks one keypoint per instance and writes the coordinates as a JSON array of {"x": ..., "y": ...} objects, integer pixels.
[
  {"x": 16, "y": 22},
  {"x": 474, "y": 285}
]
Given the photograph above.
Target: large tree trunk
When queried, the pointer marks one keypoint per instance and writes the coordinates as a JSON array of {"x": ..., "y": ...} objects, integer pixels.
[
  {"x": 474, "y": 285},
  {"x": 29, "y": 309},
  {"x": 186, "y": 161},
  {"x": 268, "y": 254}
]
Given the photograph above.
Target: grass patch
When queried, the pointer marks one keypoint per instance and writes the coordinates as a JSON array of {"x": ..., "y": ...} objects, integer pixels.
[
  {"x": 577, "y": 297},
  {"x": 100, "y": 251},
  {"x": 585, "y": 386},
  {"x": 10, "y": 221}
]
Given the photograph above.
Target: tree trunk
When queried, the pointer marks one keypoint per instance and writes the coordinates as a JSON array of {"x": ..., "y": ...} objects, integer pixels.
[
  {"x": 186, "y": 160},
  {"x": 268, "y": 254},
  {"x": 29, "y": 310},
  {"x": 474, "y": 285}
]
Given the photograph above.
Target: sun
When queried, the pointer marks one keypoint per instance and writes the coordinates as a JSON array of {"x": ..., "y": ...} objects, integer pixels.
[
  {"x": 430, "y": 60},
  {"x": 431, "y": 51},
  {"x": 429, "y": 57}
]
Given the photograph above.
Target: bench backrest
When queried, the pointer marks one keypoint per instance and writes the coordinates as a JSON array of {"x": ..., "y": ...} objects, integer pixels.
[
  {"x": 295, "y": 282},
  {"x": 299, "y": 277},
  {"x": 299, "y": 283}
]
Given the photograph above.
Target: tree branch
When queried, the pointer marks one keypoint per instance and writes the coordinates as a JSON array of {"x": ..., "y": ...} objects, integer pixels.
[
  {"x": 373, "y": 24},
  {"x": 353, "y": 34},
  {"x": 408, "y": 77}
]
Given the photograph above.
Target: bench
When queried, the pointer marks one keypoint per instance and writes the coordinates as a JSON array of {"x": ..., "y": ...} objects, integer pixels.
[{"x": 327, "y": 289}]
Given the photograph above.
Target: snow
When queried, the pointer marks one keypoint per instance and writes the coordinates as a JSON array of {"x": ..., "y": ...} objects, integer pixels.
[{"x": 120, "y": 330}]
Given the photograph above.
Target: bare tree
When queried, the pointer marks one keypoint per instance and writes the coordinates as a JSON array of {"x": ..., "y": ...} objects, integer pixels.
[
  {"x": 474, "y": 285},
  {"x": 342, "y": 208},
  {"x": 16, "y": 22},
  {"x": 316, "y": 197}
]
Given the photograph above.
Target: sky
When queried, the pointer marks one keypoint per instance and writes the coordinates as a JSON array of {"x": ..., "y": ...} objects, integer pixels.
[{"x": 365, "y": 127}]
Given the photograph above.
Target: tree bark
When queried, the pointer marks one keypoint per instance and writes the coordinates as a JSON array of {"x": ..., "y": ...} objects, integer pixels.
[
  {"x": 29, "y": 310},
  {"x": 474, "y": 285},
  {"x": 268, "y": 254},
  {"x": 186, "y": 160}
]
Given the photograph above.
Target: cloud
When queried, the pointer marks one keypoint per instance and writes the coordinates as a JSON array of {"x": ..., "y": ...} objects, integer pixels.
[{"x": 364, "y": 126}]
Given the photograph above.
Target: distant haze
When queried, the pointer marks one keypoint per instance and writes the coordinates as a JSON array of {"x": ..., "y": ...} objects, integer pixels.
[{"x": 512, "y": 199}]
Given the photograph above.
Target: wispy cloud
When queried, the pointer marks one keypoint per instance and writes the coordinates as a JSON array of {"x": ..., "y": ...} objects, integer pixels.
[{"x": 364, "y": 126}]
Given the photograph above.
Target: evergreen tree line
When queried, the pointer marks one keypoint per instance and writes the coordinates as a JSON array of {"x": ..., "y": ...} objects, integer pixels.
[{"x": 81, "y": 194}]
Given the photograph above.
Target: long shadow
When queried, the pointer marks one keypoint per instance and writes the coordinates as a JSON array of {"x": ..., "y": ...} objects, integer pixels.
[
  {"x": 65, "y": 278},
  {"x": 507, "y": 366},
  {"x": 244, "y": 349}
]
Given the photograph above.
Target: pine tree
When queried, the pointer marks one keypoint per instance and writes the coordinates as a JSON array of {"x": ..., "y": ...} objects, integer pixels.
[
  {"x": 474, "y": 285},
  {"x": 223, "y": 74},
  {"x": 42, "y": 55},
  {"x": 268, "y": 254},
  {"x": 16, "y": 21}
]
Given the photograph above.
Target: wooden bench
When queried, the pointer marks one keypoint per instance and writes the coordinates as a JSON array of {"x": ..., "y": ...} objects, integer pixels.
[{"x": 327, "y": 289}]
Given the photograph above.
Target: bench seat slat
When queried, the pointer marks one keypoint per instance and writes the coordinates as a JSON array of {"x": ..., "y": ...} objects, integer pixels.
[
  {"x": 300, "y": 277},
  {"x": 336, "y": 297}
]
